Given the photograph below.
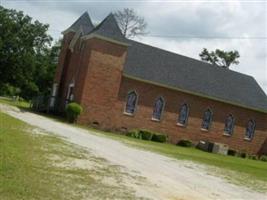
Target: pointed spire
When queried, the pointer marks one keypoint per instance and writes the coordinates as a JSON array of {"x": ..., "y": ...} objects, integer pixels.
[
  {"x": 84, "y": 22},
  {"x": 110, "y": 29}
]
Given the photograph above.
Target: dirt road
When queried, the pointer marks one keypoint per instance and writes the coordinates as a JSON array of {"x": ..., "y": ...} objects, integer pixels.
[{"x": 164, "y": 178}]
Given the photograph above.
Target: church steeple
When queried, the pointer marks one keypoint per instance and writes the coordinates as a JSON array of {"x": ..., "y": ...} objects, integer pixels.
[
  {"x": 83, "y": 22},
  {"x": 110, "y": 29}
]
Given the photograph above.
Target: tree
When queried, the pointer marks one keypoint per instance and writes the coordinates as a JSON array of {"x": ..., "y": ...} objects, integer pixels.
[
  {"x": 130, "y": 23},
  {"x": 46, "y": 64},
  {"x": 220, "y": 57},
  {"x": 25, "y": 53}
]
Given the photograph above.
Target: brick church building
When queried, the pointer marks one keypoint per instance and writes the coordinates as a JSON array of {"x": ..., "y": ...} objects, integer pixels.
[{"x": 123, "y": 84}]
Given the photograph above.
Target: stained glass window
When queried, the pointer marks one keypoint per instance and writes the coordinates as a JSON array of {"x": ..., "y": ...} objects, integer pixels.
[
  {"x": 183, "y": 114},
  {"x": 158, "y": 108},
  {"x": 131, "y": 102},
  {"x": 250, "y": 129},
  {"x": 207, "y": 117},
  {"x": 229, "y": 125}
]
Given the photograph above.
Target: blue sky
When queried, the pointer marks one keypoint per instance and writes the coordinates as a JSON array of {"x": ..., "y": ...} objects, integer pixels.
[{"x": 228, "y": 25}]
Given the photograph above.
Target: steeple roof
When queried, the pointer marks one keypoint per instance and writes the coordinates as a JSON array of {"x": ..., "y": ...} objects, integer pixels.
[
  {"x": 110, "y": 29},
  {"x": 84, "y": 22}
]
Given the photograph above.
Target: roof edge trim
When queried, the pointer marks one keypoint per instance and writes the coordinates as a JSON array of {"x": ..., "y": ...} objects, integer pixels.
[
  {"x": 68, "y": 31},
  {"x": 93, "y": 35},
  {"x": 193, "y": 93}
]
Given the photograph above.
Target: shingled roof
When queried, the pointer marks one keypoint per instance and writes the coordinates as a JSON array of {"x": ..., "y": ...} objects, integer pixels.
[
  {"x": 110, "y": 29},
  {"x": 183, "y": 73},
  {"x": 83, "y": 22},
  {"x": 186, "y": 74}
]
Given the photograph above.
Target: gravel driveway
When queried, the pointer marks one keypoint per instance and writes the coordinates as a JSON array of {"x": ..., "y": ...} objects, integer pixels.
[{"x": 164, "y": 178}]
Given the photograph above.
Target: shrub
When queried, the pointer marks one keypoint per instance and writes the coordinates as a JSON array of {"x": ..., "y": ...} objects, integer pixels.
[
  {"x": 129, "y": 134},
  {"x": 253, "y": 157},
  {"x": 73, "y": 110},
  {"x": 145, "y": 134},
  {"x": 231, "y": 152},
  {"x": 242, "y": 155},
  {"x": 185, "y": 143},
  {"x": 134, "y": 133},
  {"x": 263, "y": 158},
  {"x": 159, "y": 138}
]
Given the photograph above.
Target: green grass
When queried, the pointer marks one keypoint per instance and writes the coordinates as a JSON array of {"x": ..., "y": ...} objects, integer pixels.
[
  {"x": 19, "y": 104},
  {"x": 40, "y": 166}
]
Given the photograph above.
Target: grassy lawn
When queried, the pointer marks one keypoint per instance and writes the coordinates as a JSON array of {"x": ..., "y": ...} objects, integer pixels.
[{"x": 42, "y": 166}]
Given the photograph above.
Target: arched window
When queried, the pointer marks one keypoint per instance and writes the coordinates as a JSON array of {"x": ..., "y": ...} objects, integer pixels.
[
  {"x": 158, "y": 108},
  {"x": 206, "y": 122},
  {"x": 131, "y": 102},
  {"x": 250, "y": 129},
  {"x": 183, "y": 115},
  {"x": 229, "y": 125}
]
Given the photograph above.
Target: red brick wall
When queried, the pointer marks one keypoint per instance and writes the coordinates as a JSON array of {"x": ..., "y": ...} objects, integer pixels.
[
  {"x": 101, "y": 90},
  {"x": 197, "y": 105},
  {"x": 263, "y": 149},
  {"x": 102, "y": 82}
]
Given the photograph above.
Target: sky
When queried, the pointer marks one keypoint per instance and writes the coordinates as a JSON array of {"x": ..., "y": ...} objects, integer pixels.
[{"x": 184, "y": 27}]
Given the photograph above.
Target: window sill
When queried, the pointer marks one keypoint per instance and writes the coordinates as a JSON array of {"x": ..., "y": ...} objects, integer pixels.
[
  {"x": 247, "y": 139},
  {"x": 204, "y": 130},
  {"x": 155, "y": 120},
  {"x": 227, "y": 135},
  {"x": 128, "y": 114},
  {"x": 181, "y": 125}
]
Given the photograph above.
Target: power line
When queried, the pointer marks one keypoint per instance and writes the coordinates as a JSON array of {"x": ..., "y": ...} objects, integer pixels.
[{"x": 208, "y": 37}]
